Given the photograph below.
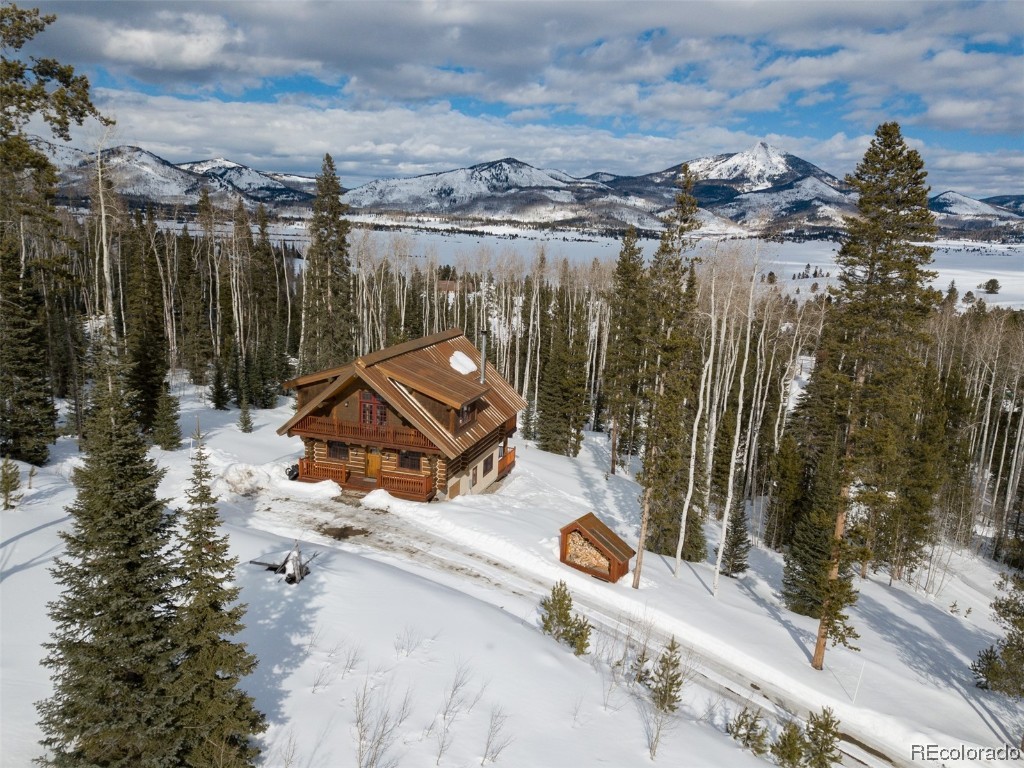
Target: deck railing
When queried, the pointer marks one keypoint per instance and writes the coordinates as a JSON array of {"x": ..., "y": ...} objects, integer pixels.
[
  {"x": 506, "y": 462},
  {"x": 416, "y": 487},
  {"x": 327, "y": 427},
  {"x": 310, "y": 470}
]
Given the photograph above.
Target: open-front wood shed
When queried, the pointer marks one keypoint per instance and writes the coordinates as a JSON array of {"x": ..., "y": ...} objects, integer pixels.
[{"x": 589, "y": 545}]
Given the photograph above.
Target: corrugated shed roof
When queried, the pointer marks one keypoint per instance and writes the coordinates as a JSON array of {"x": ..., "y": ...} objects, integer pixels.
[
  {"x": 602, "y": 535},
  {"x": 424, "y": 365}
]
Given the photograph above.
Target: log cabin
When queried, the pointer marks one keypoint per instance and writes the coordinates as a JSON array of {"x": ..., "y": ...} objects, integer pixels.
[{"x": 418, "y": 419}]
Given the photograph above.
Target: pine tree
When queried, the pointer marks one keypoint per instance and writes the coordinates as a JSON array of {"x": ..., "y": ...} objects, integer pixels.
[
  {"x": 624, "y": 377},
  {"x": 220, "y": 395},
  {"x": 787, "y": 476},
  {"x": 821, "y": 738},
  {"x": 737, "y": 541},
  {"x": 1001, "y": 667},
  {"x": 788, "y": 747},
  {"x": 672, "y": 350},
  {"x": 328, "y": 315},
  {"x": 216, "y": 717},
  {"x": 145, "y": 342},
  {"x": 245, "y": 416},
  {"x": 748, "y": 729},
  {"x": 562, "y": 395},
  {"x": 10, "y": 482},
  {"x": 667, "y": 679},
  {"x": 865, "y": 390},
  {"x": 166, "y": 429},
  {"x": 44, "y": 90},
  {"x": 110, "y": 652},
  {"x": 558, "y": 620}
]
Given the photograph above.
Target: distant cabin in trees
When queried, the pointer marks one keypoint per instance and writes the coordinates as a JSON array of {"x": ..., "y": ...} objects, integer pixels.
[
  {"x": 416, "y": 419},
  {"x": 589, "y": 545}
]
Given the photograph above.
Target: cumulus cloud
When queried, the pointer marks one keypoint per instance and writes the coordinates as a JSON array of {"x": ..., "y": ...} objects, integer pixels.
[{"x": 627, "y": 87}]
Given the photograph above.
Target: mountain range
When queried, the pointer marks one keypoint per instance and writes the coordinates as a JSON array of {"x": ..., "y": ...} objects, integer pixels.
[{"x": 763, "y": 190}]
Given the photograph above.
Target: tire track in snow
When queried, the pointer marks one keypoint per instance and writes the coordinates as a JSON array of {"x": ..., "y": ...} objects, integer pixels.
[{"x": 401, "y": 540}]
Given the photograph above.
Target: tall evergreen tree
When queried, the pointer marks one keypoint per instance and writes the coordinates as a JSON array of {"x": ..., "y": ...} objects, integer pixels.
[
  {"x": 865, "y": 389},
  {"x": 562, "y": 394},
  {"x": 216, "y": 718},
  {"x": 146, "y": 341},
  {"x": 110, "y": 654},
  {"x": 328, "y": 314},
  {"x": 32, "y": 88},
  {"x": 672, "y": 349},
  {"x": 737, "y": 541},
  {"x": 625, "y": 368},
  {"x": 166, "y": 429}
]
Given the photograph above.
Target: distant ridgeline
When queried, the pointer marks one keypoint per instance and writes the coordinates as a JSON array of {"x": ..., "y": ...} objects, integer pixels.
[{"x": 761, "y": 191}]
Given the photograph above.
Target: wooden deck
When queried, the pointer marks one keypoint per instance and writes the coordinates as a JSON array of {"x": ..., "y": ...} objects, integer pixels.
[
  {"x": 363, "y": 434},
  {"x": 412, "y": 486}
]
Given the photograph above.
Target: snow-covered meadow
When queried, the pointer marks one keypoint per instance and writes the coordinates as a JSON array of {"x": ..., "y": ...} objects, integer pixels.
[{"x": 427, "y": 614}]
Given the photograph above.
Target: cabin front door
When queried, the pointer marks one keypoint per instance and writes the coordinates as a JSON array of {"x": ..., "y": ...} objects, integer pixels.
[{"x": 372, "y": 463}]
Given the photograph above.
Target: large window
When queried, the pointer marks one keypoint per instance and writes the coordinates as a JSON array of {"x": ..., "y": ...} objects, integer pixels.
[
  {"x": 489, "y": 464},
  {"x": 373, "y": 409},
  {"x": 337, "y": 451},
  {"x": 409, "y": 460}
]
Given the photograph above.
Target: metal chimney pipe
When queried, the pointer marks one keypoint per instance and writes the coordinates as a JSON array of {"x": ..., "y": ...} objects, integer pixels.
[{"x": 483, "y": 355}]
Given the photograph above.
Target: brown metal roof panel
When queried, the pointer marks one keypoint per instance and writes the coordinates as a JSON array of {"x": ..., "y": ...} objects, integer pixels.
[{"x": 441, "y": 383}]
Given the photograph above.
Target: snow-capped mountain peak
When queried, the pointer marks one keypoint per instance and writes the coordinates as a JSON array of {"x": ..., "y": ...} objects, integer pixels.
[{"x": 760, "y": 167}]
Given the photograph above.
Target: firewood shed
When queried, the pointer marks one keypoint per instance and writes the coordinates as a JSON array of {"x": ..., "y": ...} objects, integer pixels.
[{"x": 589, "y": 545}]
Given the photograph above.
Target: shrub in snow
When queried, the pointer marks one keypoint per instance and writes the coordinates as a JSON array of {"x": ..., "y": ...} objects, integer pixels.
[
  {"x": 788, "y": 747},
  {"x": 557, "y": 620},
  {"x": 820, "y": 740},
  {"x": 748, "y": 729},
  {"x": 667, "y": 680},
  {"x": 10, "y": 482}
]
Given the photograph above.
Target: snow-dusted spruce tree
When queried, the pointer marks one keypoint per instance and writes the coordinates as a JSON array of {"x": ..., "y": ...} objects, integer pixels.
[
  {"x": 215, "y": 717},
  {"x": 110, "y": 653},
  {"x": 865, "y": 395}
]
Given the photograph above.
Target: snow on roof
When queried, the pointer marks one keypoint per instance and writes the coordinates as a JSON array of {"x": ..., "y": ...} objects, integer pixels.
[{"x": 461, "y": 362}]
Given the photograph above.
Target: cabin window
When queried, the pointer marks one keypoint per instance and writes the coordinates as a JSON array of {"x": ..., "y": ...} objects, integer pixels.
[
  {"x": 489, "y": 464},
  {"x": 338, "y": 451},
  {"x": 466, "y": 415},
  {"x": 409, "y": 460},
  {"x": 373, "y": 409},
  {"x": 474, "y": 476}
]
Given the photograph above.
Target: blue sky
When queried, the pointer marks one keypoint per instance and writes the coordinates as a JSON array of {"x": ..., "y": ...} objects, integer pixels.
[{"x": 404, "y": 88}]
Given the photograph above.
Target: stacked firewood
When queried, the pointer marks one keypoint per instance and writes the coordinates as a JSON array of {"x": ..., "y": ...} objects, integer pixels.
[{"x": 583, "y": 553}]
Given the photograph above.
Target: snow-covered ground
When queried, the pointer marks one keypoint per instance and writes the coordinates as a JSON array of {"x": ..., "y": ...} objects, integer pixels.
[{"x": 439, "y": 602}]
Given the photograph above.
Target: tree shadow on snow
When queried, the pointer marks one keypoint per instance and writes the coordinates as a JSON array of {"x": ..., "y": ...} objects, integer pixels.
[
  {"x": 280, "y": 621},
  {"x": 935, "y": 657}
]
